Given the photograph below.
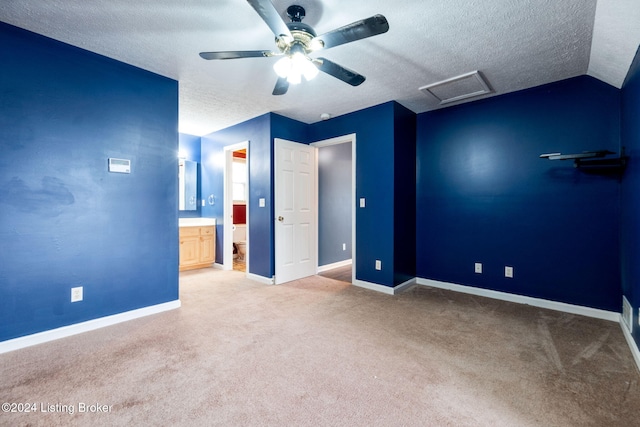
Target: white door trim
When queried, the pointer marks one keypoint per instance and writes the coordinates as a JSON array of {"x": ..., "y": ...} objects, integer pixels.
[
  {"x": 227, "y": 221},
  {"x": 342, "y": 140}
]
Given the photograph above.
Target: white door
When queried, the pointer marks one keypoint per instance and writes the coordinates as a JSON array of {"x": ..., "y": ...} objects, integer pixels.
[{"x": 295, "y": 211}]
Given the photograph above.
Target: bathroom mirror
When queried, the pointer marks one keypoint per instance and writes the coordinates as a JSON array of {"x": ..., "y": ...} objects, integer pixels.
[{"x": 187, "y": 185}]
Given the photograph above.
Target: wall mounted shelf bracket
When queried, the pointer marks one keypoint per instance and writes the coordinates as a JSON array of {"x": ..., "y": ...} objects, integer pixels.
[{"x": 591, "y": 159}]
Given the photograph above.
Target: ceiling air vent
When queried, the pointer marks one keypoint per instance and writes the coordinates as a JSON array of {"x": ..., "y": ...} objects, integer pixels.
[{"x": 458, "y": 88}]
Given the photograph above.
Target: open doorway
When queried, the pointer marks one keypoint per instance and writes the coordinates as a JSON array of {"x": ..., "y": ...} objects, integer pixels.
[
  {"x": 336, "y": 208},
  {"x": 236, "y": 208}
]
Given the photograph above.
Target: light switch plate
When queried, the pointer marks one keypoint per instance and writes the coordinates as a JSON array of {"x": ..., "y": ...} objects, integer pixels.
[
  {"x": 362, "y": 202},
  {"x": 508, "y": 272},
  {"x": 478, "y": 268},
  {"x": 262, "y": 202},
  {"x": 76, "y": 294}
]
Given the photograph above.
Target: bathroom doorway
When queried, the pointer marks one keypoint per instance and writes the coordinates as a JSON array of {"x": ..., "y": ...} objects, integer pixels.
[{"x": 236, "y": 208}]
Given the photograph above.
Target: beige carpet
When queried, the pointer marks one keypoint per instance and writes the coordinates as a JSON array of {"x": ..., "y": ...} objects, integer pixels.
[{"x": 322, "y": 352}]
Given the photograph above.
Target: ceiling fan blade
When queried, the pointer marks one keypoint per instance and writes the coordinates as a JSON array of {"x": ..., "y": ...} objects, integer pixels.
[
  {"x": 362, "y": 29},
  {"x": 339, "y": 72},
  {"x": 271, "y": 17},
  {"x": 235, "y": 54},
  {"x": 282, "y": 85}
]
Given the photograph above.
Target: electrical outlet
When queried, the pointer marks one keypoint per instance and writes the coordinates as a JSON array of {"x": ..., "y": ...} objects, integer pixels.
[
  {"x": 76, "y": 294},
  {"x": 378, "y": 264},
  {"x": 362, "y": 202},
  {"x": 344, "y": 246},
  {"x": 508, "y": 272},
  {"x": 478, "y": 268}
]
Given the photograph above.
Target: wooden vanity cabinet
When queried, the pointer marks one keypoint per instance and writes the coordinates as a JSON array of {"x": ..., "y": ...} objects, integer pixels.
[{"x": 197, "y": 247}]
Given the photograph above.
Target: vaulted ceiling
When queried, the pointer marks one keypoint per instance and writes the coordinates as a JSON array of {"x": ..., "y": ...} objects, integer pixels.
[{"x": 515, "y": 44}]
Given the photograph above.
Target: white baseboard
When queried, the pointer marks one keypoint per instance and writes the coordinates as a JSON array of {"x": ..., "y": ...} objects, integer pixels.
[
  {"x": 385, "y": 289},
  {"x": 374, "y": 287},
  {"x": 327, "y": 267},
  {"x": 404, "y": 286},
  {"x": 536, "y": 302},
  {"x": 89, "y": 325},
  {"x": 261, "y": 279},
  {"x": 632, "y": 344}
]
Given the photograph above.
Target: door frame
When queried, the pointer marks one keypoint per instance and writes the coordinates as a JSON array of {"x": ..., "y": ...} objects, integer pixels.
[
  {"x": 227, "y": 241},
  {"x": 335, "y": 141}
]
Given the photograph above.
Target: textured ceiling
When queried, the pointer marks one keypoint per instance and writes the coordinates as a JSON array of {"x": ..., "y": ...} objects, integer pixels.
[
  {"x": 616, "y": 36},
  {"x": 515, "y": 44}
]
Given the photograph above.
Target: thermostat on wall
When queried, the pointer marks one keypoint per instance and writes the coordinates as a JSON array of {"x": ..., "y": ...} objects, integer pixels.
[{"x": 119, "y": 165}]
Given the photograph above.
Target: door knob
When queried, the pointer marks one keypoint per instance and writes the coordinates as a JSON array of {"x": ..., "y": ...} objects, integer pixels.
[{"x": 280, "y": 219}]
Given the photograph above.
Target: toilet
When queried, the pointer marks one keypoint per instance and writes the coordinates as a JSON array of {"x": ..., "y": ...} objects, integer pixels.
[{"x": 240, "y": 240}]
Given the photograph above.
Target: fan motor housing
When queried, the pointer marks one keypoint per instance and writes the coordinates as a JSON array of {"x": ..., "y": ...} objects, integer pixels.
[
  {"x": 302, "y": 35},
  {"x": 301, "y": 32},
  {"x": 300, "y": 27}
]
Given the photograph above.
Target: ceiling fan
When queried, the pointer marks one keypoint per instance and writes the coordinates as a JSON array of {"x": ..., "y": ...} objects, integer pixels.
[{"x": 296, "y": 40}]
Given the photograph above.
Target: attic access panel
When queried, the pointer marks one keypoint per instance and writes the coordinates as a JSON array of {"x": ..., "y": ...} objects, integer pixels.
[{"x": 457, "y": 88}]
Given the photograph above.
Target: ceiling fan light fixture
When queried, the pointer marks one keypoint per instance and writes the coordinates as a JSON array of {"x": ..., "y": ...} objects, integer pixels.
[
  {"x": 283, "y": 67},
  {"x": 295, "y": 40},
  {"x": 316, "y": 44},
  {"x": 304, "y": 66},
  {"x": 294, "y": 78},
  {"x": 293, "y": 67}
]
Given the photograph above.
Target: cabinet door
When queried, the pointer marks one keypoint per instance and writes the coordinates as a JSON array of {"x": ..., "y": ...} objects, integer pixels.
[
  {"x": 207, "y": 254},
  {"x": 189, "y": 250}
]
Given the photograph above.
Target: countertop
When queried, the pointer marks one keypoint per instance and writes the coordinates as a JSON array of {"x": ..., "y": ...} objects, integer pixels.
[{"x": 196, "y": 222}]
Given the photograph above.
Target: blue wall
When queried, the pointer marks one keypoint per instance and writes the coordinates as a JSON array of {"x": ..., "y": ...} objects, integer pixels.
[
  {"x": 334, "y": 203},
  {"x": 260, "y": 133},
  {"x": 385, "y": 142},
  {"x": 404, "y": 216},
  {"x": 257, "y": 132},
  {"x": 64, "y": 220},
  {"x": 484, "y": 195},
  {"x": 630, "y": 236},
  {"x": 289, "y": 129},
  {"x": 374, "y": 129},
  {"x": 189, "y": 147}
]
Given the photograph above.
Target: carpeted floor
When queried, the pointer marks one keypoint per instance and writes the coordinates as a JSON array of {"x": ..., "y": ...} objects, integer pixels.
[
  {"x": 322, "y": 352},
  {"x": 343, "y": 274}
]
